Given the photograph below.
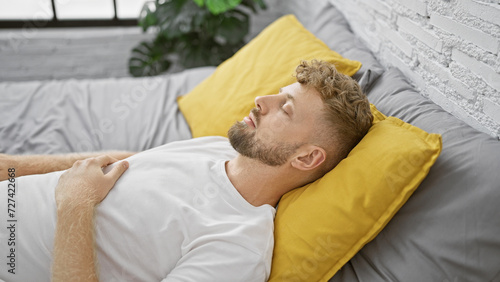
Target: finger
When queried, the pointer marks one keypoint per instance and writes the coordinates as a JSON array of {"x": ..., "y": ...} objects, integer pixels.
[
  {"x": 105, "y": 160},
  {"x": 117, "y": 171}
]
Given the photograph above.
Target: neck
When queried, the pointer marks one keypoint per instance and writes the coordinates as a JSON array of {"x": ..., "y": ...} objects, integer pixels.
[{"x": 258, "y": 183}]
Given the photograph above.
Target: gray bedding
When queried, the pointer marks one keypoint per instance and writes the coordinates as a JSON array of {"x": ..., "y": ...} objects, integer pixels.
[{"x": 132, "y": 114}]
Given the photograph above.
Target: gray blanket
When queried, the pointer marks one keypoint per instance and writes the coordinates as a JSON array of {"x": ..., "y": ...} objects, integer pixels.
[{"x": 132, "y": 114}]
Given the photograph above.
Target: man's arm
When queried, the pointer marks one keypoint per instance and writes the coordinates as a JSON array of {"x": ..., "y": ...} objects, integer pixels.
[
  {"x": 78, "y": 192},
  {"x": 38, "y": 164}
]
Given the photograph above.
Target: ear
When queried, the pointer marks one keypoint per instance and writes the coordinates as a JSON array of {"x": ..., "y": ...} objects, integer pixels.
[{"x": 309, "y": 158}]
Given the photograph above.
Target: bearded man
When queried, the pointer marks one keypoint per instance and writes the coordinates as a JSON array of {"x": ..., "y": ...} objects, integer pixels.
[{"x": 197, "y": 210}]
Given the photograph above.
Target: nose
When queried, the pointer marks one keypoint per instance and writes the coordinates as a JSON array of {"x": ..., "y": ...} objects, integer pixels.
[
  {"x": 261, "y": 104},
  {"x": 264, "y": 103}
]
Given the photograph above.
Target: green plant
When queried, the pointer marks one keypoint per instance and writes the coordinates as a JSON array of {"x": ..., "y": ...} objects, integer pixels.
[{"x": 193, "y": 32}]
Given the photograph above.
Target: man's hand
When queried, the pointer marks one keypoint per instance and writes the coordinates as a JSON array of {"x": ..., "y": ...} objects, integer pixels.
[
  {"x": 86, "y": 183},
  {"x": 77, "y": 194}
]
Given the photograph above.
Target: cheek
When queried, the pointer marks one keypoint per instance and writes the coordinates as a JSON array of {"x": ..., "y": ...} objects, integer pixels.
[
  {"x": 277, "y": 124},
  {"x": 274, "y": 128},
  {"x": 265, "y": 134}
]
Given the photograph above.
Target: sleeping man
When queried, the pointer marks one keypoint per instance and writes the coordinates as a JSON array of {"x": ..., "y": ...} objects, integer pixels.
[{"x": 194, "y": 210}]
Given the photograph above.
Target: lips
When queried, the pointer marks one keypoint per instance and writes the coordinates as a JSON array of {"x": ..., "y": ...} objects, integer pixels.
[
  {"x": 253, "y": 118},
  {"x": 248, "y": 120}
]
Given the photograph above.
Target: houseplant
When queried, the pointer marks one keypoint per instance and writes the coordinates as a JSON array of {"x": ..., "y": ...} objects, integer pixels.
[{"x": 191, "y": 32}]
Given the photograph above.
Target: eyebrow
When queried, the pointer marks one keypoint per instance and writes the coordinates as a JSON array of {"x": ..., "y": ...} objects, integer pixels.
[{"x": 288, "y": 96}]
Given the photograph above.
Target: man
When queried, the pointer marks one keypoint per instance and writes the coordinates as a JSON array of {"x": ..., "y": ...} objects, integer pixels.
[{"x": 198, "y": 210}]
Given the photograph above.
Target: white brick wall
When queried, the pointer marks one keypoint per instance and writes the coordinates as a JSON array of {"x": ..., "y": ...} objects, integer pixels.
[{"x": 449, "y": 49}]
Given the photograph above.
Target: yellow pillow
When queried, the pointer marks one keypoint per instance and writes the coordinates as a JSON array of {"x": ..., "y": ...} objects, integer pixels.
[
  {"x": 260, "y": 68},
  {"x": 321, "y": 226}
]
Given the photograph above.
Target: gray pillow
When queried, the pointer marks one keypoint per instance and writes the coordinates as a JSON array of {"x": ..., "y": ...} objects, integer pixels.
[
  {"x": 328, "y": 24},
  {"x": 449, "y": 230}
]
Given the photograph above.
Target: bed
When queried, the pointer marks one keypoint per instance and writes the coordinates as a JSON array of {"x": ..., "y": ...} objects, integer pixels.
[{"x": 446, "y": 229}]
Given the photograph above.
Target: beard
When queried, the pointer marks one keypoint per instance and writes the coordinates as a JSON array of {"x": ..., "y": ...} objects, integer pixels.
[{"x": 245, "y": 142}]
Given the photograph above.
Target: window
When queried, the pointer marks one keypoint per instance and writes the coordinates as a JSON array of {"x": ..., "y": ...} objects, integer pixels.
[
  {"x": 25, "y": 10},
  {"x": 69, "y": 13}
]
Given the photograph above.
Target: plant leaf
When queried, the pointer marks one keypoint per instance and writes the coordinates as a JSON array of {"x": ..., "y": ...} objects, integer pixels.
[
  {"x": 220, "y": 6},
  {"x": 147, "y": 17},
  {"x": 233, "y": 27},
  {"x": 149, "y": 58},
  {"x": 254, "y": 4},
  {"x": 261, "y": 4},
  {"x": 191, "y": 32},
  {"x": 176, "y": 17},
  {"x": 249, "y": 4},
  {"x": 199, "y": 3}
]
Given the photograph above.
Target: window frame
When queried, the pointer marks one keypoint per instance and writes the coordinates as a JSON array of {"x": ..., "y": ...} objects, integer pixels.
[{"x": 58, "y": 23}]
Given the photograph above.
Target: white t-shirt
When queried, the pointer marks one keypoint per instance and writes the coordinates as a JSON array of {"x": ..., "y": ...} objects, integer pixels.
[{"x": 173, "y": 215}]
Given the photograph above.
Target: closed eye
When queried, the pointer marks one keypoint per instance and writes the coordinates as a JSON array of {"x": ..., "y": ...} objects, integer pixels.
[{"x": 284, "y": 110}]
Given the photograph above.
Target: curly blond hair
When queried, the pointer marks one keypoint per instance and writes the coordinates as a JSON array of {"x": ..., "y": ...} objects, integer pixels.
[{"x": 347, "y": 110}]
